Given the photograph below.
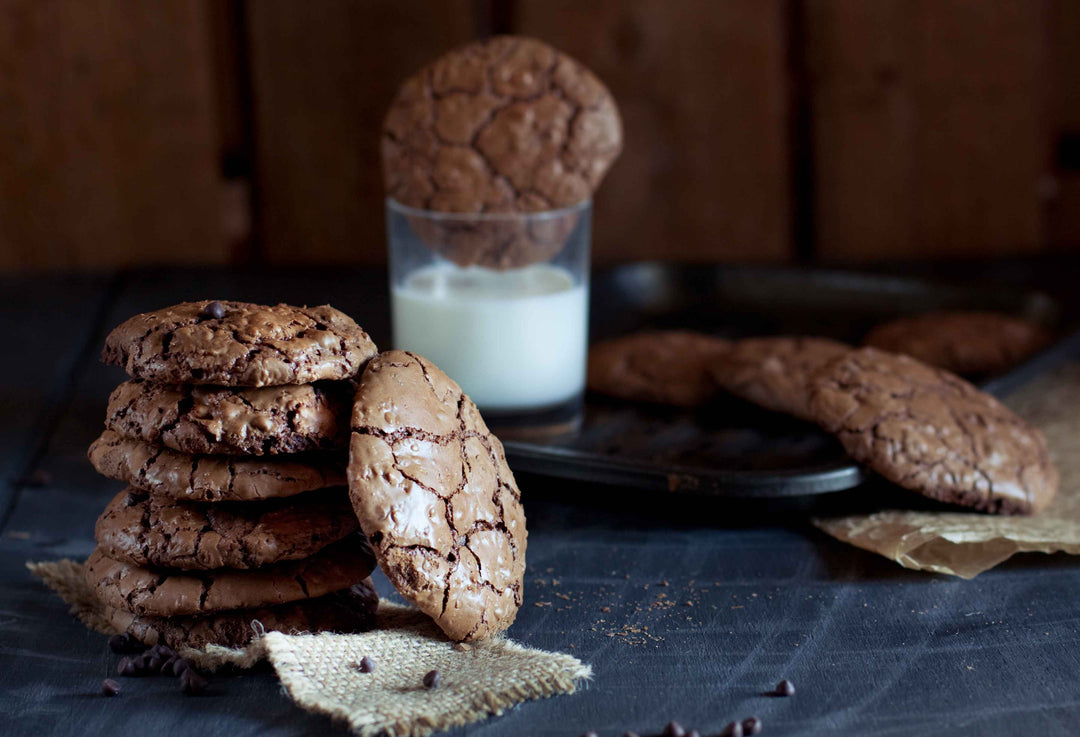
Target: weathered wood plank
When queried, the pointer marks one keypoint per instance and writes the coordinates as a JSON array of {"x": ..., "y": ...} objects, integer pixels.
[
  {"x": 929, "y": 126},
  {"x": 109, "y": 144},
  {"x": 323, "y": 78},
  {"x": 704, "y": 174}
]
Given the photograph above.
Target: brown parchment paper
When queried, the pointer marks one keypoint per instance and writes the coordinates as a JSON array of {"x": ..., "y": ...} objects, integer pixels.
[{"x": 964, "y": 544}]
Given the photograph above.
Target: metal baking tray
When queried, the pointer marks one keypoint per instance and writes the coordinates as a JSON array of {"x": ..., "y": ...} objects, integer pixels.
[{"x": 730, "y": 448}]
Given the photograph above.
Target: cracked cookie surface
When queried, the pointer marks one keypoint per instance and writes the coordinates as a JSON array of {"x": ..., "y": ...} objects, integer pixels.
[
  {"x": 349, "y": 610},
  {"x": 145, "y": 530},
  {"x": 971, "y": 343},
  {"x": 774, "y": 372},
  {"x": 164, "y": 592},
  {"x": 436, "y": 498},
  {"x": 249, "y": 345},
  {"x": 499, "y": 126},
  {"x": 232, "y": 421},
  {"x": 671, "y": 367},
  {"x": 934, "y": 433},
  {"x": 199, "y": 478}
]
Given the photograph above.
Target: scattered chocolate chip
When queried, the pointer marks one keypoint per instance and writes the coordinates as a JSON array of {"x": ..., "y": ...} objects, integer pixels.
[
  {"x": 590, "y": 733},
  {"x": 365, "y": 666},
  {"x": 734, "y": 729},
  {"x": 152, "y": 664},
  {"x": 674, "y": 729},
  {"x": 127, "y": 667},
  {"x": 125, "y": 644},
  {"x": 751, "y": 725},
  {"x": 785, "y": 688},
  {"x": 214, "y": 310},
  {"x": 180, "y": 665},
  {"x": 162, "y": 651},
  {"x": 432, "y": 679},
  {"x": 109, "y": 687},
  {"x": 693, "y": 733},
  {"x": 191, "y": 682}
]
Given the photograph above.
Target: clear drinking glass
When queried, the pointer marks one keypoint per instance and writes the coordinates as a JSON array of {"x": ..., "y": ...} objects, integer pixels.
[{"x": 500, "y": 302}]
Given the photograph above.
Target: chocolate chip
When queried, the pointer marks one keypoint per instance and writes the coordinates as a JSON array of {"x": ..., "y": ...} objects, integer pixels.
[
  {"x": 213, "y": 310},
  {"x": 674, "y": 729},
  {"x": 109, "y": 687},
  {"x": 631, "y": 734},
  {"x": 127, "y": 667},
  {"x": 191, "y": 682},
  {"x": 180, "y": 665},
  {"x": 590, "y": 733},
  {"x": 152, "y": 664},
  {"x": 162, "y": 651},
  {"x": 125, "y": 643},
  {"x": 734, "y": 729},
  {"x": 785, "y": 688},
  {"x": 751, "y": 725},
  {"x": 693, "y": 733},
  {"x": 432, "y": 679},
  {"x": 365, "y": 666}
]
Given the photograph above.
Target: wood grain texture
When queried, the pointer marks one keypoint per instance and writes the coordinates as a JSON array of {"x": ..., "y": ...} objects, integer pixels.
[
  {"x": 1063, "y": 193},
  {"x": 704, "y": 173},
  {"x": 929, "y": 126},
  {"x": 686, "y": 608},
  {"x": 323, "y": 79},
  {"x": 107, "y": 138}
]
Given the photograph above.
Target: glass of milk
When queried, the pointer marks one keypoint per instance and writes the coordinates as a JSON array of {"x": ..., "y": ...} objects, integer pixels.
[{"x": 500, "y": 302}]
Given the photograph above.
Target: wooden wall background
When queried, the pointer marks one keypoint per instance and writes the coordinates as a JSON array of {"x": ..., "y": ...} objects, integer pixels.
[{"x": 240, "y": 131}]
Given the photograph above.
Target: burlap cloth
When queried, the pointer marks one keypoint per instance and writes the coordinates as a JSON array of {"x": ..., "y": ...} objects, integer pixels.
[
  {"x": 964, "y": 544},
  {"x": 320, "y": 671}
]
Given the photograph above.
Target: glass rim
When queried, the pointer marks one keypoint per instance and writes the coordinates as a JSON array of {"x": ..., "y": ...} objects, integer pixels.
[{"x": 488, "y": 216}]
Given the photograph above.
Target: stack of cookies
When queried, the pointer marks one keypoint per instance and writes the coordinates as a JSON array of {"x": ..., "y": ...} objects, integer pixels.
[{"x": 232, "y": 439}]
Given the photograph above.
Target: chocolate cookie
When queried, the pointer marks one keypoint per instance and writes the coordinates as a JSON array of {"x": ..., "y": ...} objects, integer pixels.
[
  {"x": 349, "y": 610},
  {"x": 165, "y": 593},
  {"x": 167, "y": 473},
  {"x": 205, "y": 419},
  {"x": 499, "y": 126},
  {"x": 239, "y": 344},
  {"x": 432, "y": 490},
  {"x": 774, "y": 373},
  {"x": 932, "y": 432},
  {"x": 660, "y": 367},
  {"x": 154, "y": 531},
  {"x": 972, "y": 343}
]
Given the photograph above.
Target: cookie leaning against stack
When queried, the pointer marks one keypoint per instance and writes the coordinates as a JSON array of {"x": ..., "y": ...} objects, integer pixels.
[{"x": 231, "y": 437}]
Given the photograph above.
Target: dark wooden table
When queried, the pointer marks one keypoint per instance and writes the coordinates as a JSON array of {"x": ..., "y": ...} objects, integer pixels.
[{"x": 686, "y": 609}]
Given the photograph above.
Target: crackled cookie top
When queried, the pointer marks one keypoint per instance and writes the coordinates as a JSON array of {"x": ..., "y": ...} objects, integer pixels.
[
  {"x": 774, "y": 372},
  {"x": 670, "y": 367},
  {"x": 146, "y": 530},
  {"x": 432, "y": 490},
  {"x": 239, "y": 344},
  {"x": 503, "y": 125},
  {"x": 165, "y": 593},
  {"x": 932, "y": 432},
  {"x": 974, "y": 343},
  {"x": 199, "y": 478},
  {"x": 349, "y": 610},
  {"x": 225, "y": 420}
]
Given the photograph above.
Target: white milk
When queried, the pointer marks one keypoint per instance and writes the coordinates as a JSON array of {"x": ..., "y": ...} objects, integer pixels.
[{"x": 513, "y": 340}]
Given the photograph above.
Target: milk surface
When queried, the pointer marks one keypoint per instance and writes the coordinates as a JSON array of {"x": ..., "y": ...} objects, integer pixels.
[{"x": 513, "y": 340}]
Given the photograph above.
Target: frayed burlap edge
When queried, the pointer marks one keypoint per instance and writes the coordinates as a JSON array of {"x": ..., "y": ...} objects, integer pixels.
[
  {"x": 478, "y": 680},
  {"x": 65, "y": 577},
  {"x": 319, "y": 671}
]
